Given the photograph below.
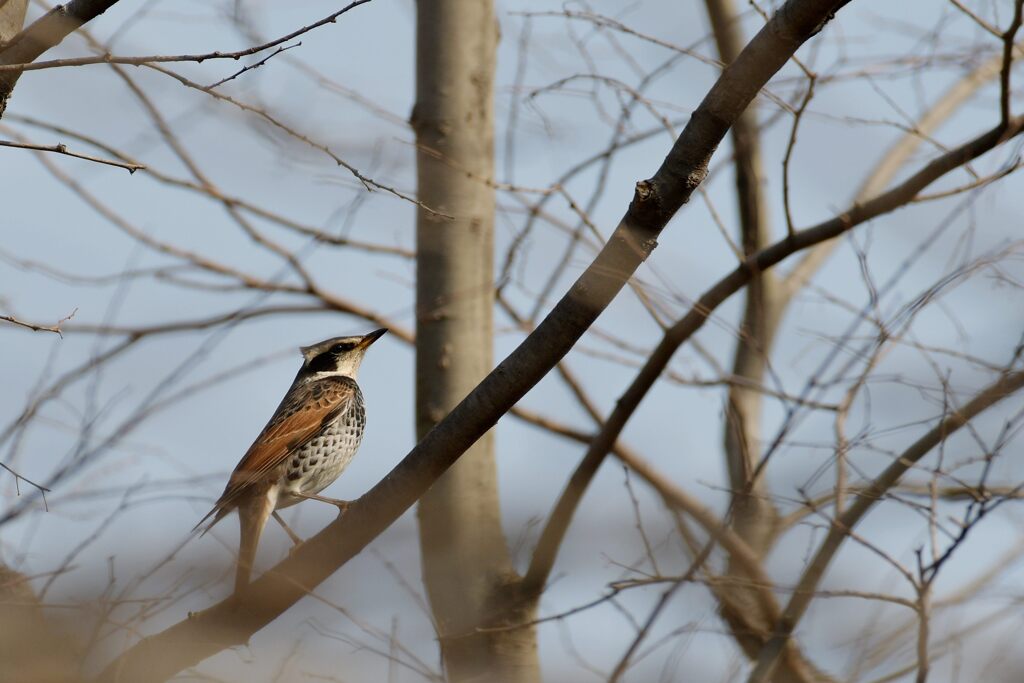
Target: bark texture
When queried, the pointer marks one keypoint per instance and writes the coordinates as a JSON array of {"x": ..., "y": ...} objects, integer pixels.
[{"x": 466, "y": 566}]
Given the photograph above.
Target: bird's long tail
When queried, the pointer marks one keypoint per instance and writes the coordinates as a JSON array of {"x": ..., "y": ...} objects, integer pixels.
[
  {"x": 252, "y": 516},
  {"x": 218, "y": 513}
]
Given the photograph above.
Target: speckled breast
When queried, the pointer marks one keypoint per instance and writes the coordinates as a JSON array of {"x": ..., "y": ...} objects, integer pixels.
[{"x": 322, "y": 460}]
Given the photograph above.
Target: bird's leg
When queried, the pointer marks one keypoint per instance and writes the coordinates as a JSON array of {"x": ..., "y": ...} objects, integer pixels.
[
  {"x": 342, "y": 505},
  {"x": 296, "y": 541}
]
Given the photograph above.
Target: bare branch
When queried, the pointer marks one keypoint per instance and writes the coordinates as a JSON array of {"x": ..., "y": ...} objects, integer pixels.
[
  {"x": 808, "y": 94},
  {"x": 369, "y": 183},
  {"x": 977, "y": 19},
  {"x": 253, "y": 66},
  {"x": 61, "y": 148},
  {"x": 56, "y": 328},
  {"x": 27, "y": 63}
]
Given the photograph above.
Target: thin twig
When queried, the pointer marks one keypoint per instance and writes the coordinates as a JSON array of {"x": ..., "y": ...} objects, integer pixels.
[
  {"x": 35, "y": 327},
  {"x": 199, "y": 58},
  {"x": 977, "y": 19},
  {"x": 61, "y": 148},
  {"x": 808, "y": 94},
  {"x": 254, "y": 66},
  {"x": 368, "y": 183}
]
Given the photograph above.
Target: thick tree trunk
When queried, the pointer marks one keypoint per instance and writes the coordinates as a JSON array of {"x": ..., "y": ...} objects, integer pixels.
[{"x": 466, "y": 567}]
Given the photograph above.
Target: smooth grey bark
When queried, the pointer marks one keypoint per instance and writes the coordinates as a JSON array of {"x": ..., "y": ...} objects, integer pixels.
[{"x": 466, "y": 566}]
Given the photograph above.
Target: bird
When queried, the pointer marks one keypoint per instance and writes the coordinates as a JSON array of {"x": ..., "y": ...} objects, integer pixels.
[{"x": 308, "y": 442}]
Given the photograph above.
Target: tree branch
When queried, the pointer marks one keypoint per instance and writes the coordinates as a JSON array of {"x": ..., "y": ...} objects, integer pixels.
[
  {"x": 35, "y": 327},
  {"x": 61, "y": 148},
  {"x": 8, "y": 66}
]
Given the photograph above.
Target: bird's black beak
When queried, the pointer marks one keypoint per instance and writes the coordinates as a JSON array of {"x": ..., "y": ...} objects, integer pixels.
[{"x": 372, "y": 337}]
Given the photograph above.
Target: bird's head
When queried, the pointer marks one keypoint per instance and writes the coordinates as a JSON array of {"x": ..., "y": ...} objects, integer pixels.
[{"x": 336, "y": 357}]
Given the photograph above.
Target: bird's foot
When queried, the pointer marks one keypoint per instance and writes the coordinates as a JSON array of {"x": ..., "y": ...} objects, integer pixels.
[{"x": 342, "y": 505}]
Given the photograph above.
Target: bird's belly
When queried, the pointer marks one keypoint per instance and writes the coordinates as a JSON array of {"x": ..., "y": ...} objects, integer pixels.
[{"x": 319, "y": 462}]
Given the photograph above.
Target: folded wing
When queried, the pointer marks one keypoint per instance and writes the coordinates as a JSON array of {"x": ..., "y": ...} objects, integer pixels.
[{"x": 305, "y": 412}]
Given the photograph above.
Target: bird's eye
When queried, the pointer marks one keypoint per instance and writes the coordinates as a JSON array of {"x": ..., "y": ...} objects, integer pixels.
[{"x": 341, "y": 348}]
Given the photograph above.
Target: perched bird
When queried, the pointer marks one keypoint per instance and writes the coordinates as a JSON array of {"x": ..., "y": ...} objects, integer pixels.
[{"x": 311, "y": 438}]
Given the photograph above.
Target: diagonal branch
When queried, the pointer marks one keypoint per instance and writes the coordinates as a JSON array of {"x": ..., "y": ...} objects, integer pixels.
[
  {"x": 36, "y": 327},
  {"x": 48, "y": 31},
  {"x": 61, "y": 148},
  {"x": 655, "y": 202}
]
